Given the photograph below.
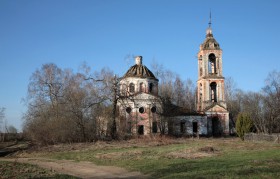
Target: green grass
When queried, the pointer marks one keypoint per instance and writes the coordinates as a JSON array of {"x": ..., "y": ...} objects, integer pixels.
[{"x": 231, "y": 158}]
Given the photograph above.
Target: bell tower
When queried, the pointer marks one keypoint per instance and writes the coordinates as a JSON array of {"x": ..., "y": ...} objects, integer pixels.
[{"x": 210, "y": 84}]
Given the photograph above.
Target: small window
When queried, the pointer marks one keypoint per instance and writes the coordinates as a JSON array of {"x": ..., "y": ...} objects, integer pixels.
[
  {"x": 183, "y": 127},
  {"x": 141, "y": 110},
  {"x": 151, "y": 87},
  {"x": 128, "y": 110},
  {"x": 131, "y": 88},
  {"x": 153, "y": 109},
  {"x": 142, "y": 87},
  {"x": 195, "y": 127}
]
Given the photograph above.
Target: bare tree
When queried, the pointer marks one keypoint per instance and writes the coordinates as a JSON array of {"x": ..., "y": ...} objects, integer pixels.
[
  {"x": 189, "y": 95},
  {"x": 2, "y": 118},
  {"x": 252, "y": 104},
  {"x": 2, "y": 123},
  {"x": 57, "y": 97},
  {"x": 272, "y": 101},
  {"x": 233, "y": 97},
  {"x": 179, "y": 92}
]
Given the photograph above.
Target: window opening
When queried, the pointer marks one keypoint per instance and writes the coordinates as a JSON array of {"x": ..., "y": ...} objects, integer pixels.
[
  {"x": 195, "y": 127},
  {"x": 142, "y": 87},
  {"x": 212, "y": 63},
  {"x": 131, "y": 88},
  {"x": 213, "y": 88},
  {"x": 141, "y": 110},
  {"x": 128, "y": 110},
  {"x": 153, "y": 109},
  {"x": 182, "y": 127},
  {"x": 151, "y": 85}
]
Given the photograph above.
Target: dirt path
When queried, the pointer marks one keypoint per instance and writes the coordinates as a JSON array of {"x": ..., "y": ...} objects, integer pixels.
[{"x": 85, "y": 170}]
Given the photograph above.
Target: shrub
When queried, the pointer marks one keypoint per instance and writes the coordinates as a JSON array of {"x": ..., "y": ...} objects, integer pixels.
[{"x": 244, "y": 124}]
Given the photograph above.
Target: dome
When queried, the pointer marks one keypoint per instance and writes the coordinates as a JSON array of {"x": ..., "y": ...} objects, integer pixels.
[
  {"x": 139, "y": 70},
  {"x": 210, "y": 42}
]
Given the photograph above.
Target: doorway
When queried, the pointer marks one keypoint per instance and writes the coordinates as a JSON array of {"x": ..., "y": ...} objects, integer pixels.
[
  {"x": 195, "y": 128},
  {"x": 154, "y": 127},
  {"x": 216, "y": 127},
  {"x": 141, "y": 130}
]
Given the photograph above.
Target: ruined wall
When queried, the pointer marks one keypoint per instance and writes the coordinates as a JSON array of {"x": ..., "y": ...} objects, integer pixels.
[
  {"x": 262, "y": 137},
  {"x": 188, "y": 125}
]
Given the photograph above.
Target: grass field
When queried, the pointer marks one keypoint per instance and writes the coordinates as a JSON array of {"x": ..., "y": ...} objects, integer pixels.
[
  {"x": 16, "y": 170},
  {"x": 183, "y": 158}
]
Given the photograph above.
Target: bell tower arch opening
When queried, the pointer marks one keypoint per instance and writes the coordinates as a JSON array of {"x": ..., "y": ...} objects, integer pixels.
[
  {"x": 213, "y": 91},
  {"x": 212, "y": 64}
]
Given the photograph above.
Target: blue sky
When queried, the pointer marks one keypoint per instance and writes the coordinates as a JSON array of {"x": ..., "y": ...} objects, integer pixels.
[{"x": 103, "y": 32}]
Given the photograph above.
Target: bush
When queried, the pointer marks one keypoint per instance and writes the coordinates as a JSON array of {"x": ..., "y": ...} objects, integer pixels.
[{"x": 244, "y": 124}]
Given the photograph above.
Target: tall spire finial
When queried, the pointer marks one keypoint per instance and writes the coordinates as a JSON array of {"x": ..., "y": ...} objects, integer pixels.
[
  {"x": 210, "y": 20},
  {"x": 209, "y": 29}
]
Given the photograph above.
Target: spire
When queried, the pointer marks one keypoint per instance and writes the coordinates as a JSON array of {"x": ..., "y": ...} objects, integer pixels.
[
  {"x": 209, "y": 29},
  {"x": 210, "y": 20}
]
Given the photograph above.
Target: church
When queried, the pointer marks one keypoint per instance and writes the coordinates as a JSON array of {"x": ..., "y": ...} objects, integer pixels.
[{"x": 142, "y": 112}]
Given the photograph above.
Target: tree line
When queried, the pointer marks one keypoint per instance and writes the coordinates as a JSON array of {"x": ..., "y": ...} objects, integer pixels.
[
  {"x": 68, "y": 106},
  {"x": 259, "y": 108}
]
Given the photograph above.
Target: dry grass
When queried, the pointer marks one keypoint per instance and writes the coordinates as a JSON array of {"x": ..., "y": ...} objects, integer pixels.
[
  {"x": 194, "y": 153},
  {"x": 165, "y": 157}
]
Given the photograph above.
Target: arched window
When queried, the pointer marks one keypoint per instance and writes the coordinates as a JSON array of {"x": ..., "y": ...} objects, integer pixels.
[
  {"x": 131, "y": 88},
  {"x": 151, "y": 86},
  {"x": 142, "y": 87},
  {"x": 213, "y": 88},
  {"x": 212, "y": 63}
]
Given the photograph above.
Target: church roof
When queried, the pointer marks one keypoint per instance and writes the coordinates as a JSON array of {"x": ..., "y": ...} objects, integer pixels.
[
  {"x": 140, "y": 71},
  {"x": 210, "y": 42}
]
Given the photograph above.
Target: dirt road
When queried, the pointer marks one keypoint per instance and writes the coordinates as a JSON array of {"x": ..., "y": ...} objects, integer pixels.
[{"x": 85, "y": 170}]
